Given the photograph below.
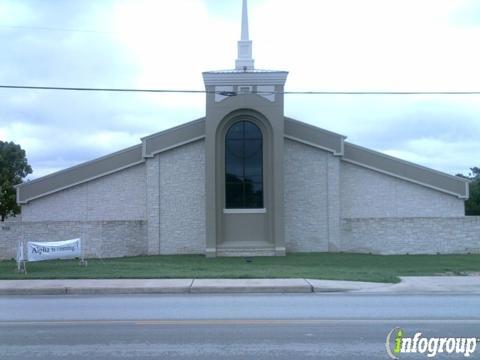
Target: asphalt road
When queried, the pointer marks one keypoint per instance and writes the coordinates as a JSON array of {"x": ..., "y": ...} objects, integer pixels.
[{"x": 309, "y": 326}]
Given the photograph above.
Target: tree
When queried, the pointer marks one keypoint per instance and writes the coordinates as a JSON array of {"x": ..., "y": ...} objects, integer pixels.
[
  {"x": 472, "y": 205},
  {"x": 13, "y": 168}
]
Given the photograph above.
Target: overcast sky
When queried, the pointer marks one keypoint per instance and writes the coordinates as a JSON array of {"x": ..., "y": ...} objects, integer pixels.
[{"x": 371, "y": 45}]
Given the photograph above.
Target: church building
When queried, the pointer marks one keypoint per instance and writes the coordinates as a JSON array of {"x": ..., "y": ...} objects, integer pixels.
[{"x": 247, "y": 180}]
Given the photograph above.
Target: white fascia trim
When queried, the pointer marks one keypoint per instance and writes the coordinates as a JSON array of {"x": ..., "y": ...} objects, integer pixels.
[{"x": 406, "y": 179}]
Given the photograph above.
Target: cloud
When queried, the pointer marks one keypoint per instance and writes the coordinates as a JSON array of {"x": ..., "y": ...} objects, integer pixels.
[
  {"x": 439, "y": 132},
  {"x": 370, "y": 44},
  {"x": 452, "y": 157},
  {"x": 326, "y": 45}
]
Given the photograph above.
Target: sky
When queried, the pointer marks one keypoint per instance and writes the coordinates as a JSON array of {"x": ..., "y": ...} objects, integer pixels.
[{"x": 334, "y": 45}]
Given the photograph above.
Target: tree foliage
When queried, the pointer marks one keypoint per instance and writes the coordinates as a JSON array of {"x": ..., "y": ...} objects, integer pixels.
[
  {"x": 472, "y": 205},
  {"x": 13, "y": 169}
]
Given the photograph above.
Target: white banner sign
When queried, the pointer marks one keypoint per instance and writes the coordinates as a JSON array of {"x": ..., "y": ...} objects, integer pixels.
[{"x": 38, "y": 251}]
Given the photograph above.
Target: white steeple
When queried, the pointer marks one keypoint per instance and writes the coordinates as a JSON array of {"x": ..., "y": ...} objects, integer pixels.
[
  {"x": 244, "y": 60},
  {"x": 245, "y": 36}
]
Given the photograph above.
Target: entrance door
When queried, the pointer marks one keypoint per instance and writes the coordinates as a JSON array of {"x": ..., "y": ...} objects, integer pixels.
[{"x": 245, "y": 215}]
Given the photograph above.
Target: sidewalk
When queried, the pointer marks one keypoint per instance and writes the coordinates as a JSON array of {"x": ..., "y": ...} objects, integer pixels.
[{"x": 409, "y": 285}]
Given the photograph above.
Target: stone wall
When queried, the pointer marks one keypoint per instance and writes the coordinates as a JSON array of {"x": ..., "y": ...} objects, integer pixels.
[
  {"x": 411, "y": 235},
  {"x": 182, "y": 199},
  {"x": 370, "y": 194},
  {"x": 118, "y": 196},
  {"x": 100, "y": 239},
  {"x": 306, "y": 197},
  {"x": 331, "y": 205},
  {"x": 153, "y": 205},
  {"x": 166, "y": 195}
]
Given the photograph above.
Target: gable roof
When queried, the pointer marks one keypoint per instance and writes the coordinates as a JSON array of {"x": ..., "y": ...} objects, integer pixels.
[
  {"x": 195, "y": 130},
  {"x": 79, "y": 174},
  {"x": 374, "y": 160},
  {"x": 314, "y": 136},
  {"x": 174, "y": 137},
  {"x": 106, "y": 165}
]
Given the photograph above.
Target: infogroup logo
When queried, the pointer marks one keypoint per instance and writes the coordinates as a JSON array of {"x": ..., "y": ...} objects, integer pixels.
[{"x": 397, "y": 343}]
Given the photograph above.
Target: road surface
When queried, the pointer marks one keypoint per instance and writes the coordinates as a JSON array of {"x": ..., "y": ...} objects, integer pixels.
[{"x": 308, "y": 326}]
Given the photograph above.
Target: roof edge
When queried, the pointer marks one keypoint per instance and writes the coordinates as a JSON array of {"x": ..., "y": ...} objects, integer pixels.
[
  {"x": 195, "y": 130},
  {"x": 421, "y": 175},
  {"x": 314, "y": 136},
  {"x": 56, "y": 173},
  {"x": 80, "y": 173},
  {"x": 315, "y": 127},
  {"x": 172, "y": 138},
  {"x": 252, "y": 71},
  {"x": 406, "y": 170},
  {"x": 406, "y": 162},
  {"x": 178, "y": 127},
  {"x": 26, "y": 201},
  {"x": 106, "y": 165}
]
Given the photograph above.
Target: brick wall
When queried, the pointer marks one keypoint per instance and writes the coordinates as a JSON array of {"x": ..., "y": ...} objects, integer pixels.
[
  {"x": 153, "y": 205},
  {"x": 100, "y": 239},
  {"x": 182, "y": 200},
  {"x": 306, "y": 200},
  {"x": 411, "y": 235},
  {"x": 369, "y": 194},
  {"x": 330, "y": 205},
  {"x": 118, "y": 196}
]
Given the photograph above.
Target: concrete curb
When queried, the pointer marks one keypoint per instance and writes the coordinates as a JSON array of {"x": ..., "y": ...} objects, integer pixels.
[
  {"x": 207, "y": 286},
  {"x": 94, "y": 287},
  {"x": 180, "y": 286},
  {"x": 409, "y": 285},
  {"x": 34, "y": 291},
  {"x": 322, "y": 286}
]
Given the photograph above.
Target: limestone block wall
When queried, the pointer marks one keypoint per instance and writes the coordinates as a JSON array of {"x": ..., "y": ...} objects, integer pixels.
[
  {"x": 10, "y": 235},
  {"x": 453, "y": 235},
  {"x": 118, "y": 196},
  {"x": 166, "y": 195},
  {"x": 100, "y": 239},
  {"x": 153, "y": 205},
  {"x": 182, "y": 199},
  {"x": 369, "y": 194},
  {"x": 306, "y": 197}
]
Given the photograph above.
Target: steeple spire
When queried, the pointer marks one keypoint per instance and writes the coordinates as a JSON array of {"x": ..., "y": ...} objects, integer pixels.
[
  {"x": 244, "y": 60},
  {"x": 245, "y": 36}
]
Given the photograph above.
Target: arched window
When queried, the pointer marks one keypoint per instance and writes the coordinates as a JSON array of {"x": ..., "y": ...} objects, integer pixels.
[{"x": 244, "y": 166}]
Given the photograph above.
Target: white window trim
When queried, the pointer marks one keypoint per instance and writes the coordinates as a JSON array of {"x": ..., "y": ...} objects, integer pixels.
[{"x": 244, "y": 211}]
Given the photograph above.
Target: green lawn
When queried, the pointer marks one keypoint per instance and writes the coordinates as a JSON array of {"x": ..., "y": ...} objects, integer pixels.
[{"x": 300, "y": 265}]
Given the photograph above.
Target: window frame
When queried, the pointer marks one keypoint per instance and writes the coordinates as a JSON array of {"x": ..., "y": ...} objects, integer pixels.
[{"x": 253, "y": 202}]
